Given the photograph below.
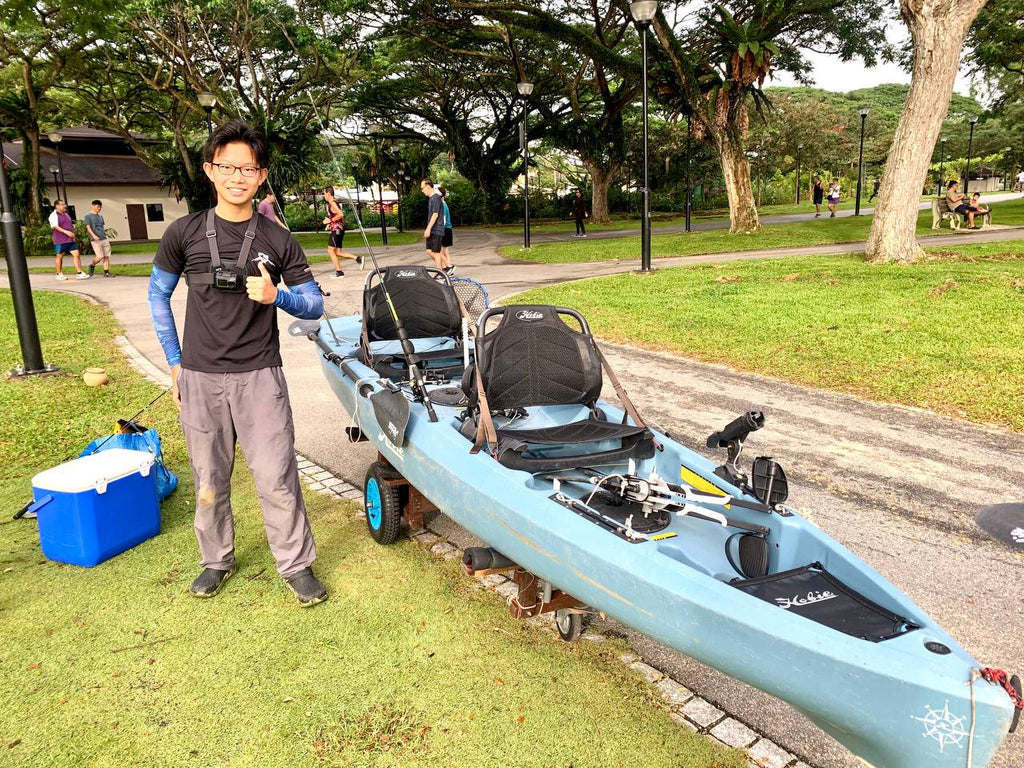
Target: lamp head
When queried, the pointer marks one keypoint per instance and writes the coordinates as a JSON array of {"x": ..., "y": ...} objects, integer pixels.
[
  {"x": 643, "y": 11},
  {"x": 973, "y": 119},
  {"x": 55, "y": 137},
  {"x": 54, "y": 169},
  {"x": 524, "y": 88},
  {"x": 207, "y": 100},
  {"x": 799, "y": 147},
  {"x": 863, "y": 111}
]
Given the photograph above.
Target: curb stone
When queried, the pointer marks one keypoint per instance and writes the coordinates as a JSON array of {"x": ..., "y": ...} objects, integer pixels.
[{"x": 685, "y": 708}]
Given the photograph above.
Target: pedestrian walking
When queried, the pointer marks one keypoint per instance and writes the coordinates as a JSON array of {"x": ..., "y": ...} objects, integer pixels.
[
  {"x": 98, "y": 239},
  {"x": 433, "y": 233},
  {"x": 268, "y": 209},
  {"x": 819, "y": 195},
  {"x": 447, "y": 238},
  {"x": 1020, "y": 181},
  {"x": 64, "y": 240},
  {"x": 334, "y": 223},
  {"x": 578, "y": 209},
  {"x": 834, "y": 196},
  {"x": 226, "y": 376},
  {"x": 874, "y": 189}
]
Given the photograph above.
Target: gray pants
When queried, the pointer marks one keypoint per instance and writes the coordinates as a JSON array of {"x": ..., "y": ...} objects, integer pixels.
[{"x": 252, "y": 407}]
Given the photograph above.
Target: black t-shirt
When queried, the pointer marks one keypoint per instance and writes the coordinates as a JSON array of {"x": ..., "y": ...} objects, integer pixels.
[{"x": 228, "y": 332}]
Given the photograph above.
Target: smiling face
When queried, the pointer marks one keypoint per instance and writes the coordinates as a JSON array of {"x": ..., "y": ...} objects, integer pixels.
[{"x": 235, "y": 190}]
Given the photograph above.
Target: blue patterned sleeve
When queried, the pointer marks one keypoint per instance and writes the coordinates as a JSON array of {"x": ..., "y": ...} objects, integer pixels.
[
  {"x": 303, "y": 300},
  {"x": 161, "y": 286}
]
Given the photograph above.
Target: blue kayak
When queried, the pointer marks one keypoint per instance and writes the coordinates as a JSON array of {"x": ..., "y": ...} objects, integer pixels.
[{"x": 595, "y": 510}]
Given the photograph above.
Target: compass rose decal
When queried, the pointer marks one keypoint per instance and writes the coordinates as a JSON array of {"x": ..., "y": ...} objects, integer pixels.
[{"x": 943, "y": 726}]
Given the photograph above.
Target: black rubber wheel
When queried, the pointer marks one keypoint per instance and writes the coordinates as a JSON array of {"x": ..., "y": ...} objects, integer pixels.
[
  {"x": 569, "y": 625},
  {"x": 383, "y": 504}
]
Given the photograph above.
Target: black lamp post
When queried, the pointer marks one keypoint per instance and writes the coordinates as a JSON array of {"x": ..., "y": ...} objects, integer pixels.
[
  {"x": 643, "y": 12},
  {"x": 21, "y": 289},
  {"x": 970, "y": 141},
  {"x": 355, "y": 181},
  {"x": 942, "y": 164},
  {"x": 799, "y": 153},
  {"x": 860, "y": 160},
  {"x": 208, "y": 101},
  {"x": 689, "y": 183},
  {"x": 1009, "y": 168},
  {"x": 375, "y": 130},
  {"x": 525, "y": 89},
  {"x": 56, "y": 183},
  {"x": 56, "y": 138}
]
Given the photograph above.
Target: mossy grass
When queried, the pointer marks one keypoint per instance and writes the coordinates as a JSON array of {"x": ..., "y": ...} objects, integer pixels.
[
  {"x": 946, "y": 334},
  {"x": 408, "y": 663},
  {"x": 823, "y": 231}
]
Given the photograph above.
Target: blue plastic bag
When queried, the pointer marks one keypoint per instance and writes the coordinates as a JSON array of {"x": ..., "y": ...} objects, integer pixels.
[{"x": 149, "y": 440}]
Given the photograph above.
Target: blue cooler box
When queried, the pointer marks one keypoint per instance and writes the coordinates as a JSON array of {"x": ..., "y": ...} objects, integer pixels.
[{"x": 98, "y": 506}]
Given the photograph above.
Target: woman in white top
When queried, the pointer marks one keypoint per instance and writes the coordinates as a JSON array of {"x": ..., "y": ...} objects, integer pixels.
[{"x": 833, "y": 198}]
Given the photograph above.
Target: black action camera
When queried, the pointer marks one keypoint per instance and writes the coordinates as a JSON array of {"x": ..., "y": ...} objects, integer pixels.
[{"x": 230, "y": 279}]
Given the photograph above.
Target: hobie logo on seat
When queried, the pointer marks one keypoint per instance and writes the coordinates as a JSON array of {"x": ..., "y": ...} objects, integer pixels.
[
  {"x": 812, "y": 597},
  {"x": 405, "y": 273},
  {"x": 529, "y": 314}
]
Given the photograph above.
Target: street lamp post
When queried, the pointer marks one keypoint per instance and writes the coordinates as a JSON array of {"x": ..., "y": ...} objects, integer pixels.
[
  {"x": 643, "y": 12},
  {"x": 21, "y": 288},
  {"x": 689, "y": 184},
  {"x": 56, "y": 183},
  {"x": 860, "y": 160},
  {"x": 970, "y": 142},
  {"x": 1009, "y": 168},
  {"x": 525, "y": 89},
  {"x": 208, "y": 101},
  {"x": 799, "y": 157},
  {"x": 56, "y": 138},
  {"x": 942, "y": 162},
  {"x": 355, "y": 181}
]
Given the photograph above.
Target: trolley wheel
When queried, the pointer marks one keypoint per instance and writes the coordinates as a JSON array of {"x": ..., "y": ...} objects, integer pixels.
[
  {"x": 383, "y": 504},
  {"x": 569, "y": 625}
]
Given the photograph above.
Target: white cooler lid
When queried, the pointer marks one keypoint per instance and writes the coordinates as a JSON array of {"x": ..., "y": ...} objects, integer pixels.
[{"x": 94, "y": 472}]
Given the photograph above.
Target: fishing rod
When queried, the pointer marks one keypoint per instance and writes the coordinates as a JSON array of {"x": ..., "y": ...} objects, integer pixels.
[{"x": 415, "y": 374}]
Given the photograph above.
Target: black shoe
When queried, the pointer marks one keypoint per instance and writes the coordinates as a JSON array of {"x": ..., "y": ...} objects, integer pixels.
[
  {"x": 209, "y": 582},
  {"x": 92, "y": 270},
  {"x": 449, "y": 270},
  {"x": 338, "y": 273},
  {"x": 107, "y": 274},
  {"x": 307, "y": 588}
]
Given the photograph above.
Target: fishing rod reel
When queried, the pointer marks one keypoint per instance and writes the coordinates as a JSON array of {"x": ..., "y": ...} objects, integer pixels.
[{"x": 767, "y": 480}]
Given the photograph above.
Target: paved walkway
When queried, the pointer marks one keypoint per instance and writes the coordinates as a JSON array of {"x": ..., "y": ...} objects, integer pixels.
[{"x": 899, "y": 486}]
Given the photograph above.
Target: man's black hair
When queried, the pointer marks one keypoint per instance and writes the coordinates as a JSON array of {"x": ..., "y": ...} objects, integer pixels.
[
  {"x": 951, "y": 183},
  {"x": 96, "y": 202},
  {"x": 58, "y": 200},
  {"x": 237, "y": 131},
  {"x": 428, "y": 182}
]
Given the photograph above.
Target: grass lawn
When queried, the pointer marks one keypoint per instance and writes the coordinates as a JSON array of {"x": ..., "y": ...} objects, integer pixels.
[
  {"x": 946, "y": 334},
  {"x": 409, "y": 663},
  {"x": 811, "y": 232}
]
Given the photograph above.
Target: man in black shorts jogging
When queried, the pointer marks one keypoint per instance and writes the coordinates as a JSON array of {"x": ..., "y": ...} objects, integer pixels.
[
  {"x": 226, "y": 374},
  {"x": 434, "y": 231}
]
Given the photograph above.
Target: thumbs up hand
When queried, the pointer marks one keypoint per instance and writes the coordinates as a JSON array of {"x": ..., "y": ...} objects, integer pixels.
[{"x": 262, "y": 288}]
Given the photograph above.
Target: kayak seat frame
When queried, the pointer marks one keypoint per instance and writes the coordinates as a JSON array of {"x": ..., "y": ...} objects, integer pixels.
[
  {"x": 424, "y": 299},
  {"x": 532, "y": 358}
]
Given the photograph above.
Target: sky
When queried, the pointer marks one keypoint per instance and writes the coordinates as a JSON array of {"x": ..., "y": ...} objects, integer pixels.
[{"x": 831, "y": 74}]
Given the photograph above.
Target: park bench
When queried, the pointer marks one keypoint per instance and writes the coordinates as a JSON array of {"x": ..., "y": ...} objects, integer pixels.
[{"x": 941, "y": 212}]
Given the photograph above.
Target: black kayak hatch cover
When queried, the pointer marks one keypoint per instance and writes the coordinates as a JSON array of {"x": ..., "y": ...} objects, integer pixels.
[
  {"x": 1005, "y": 523},
  {"x": 392, "y": 412}
]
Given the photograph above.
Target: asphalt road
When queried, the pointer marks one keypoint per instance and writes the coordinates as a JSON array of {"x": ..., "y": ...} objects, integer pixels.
[{"x": 898, "y": 486}]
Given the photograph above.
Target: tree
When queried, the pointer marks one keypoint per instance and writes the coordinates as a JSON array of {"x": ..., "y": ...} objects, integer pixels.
[{"x": 937, "y": 32}]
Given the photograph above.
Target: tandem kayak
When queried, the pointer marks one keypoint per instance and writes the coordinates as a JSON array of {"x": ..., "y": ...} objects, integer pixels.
[{"x": 594, "y": 510}]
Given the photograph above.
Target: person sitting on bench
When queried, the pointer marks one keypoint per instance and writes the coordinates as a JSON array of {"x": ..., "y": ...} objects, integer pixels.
[
  {"x": 957, "y": 202},
  {"x": 974, "y": 208}
]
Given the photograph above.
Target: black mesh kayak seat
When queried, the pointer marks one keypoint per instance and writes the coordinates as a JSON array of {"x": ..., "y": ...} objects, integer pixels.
[
  {"x": 428, "y": 307},
  {"x": 533, "y": 358},
  {"x": 815, "y": 594}
]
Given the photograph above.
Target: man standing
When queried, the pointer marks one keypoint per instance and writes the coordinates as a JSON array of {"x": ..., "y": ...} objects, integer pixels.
[
  {"x": 266, "y": 208},
  {"x": 226, "y": 375},
  {"x": 64, "y": 240},
  {"x": 434, "y": 231},
  {"x": 1020, "y": 181},
  {"x": 98, "y": 238},
  {"x": 578, "y": 208}
]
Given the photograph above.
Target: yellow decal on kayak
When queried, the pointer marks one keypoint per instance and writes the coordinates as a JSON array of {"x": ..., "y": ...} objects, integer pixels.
[
  {"x": 661, "y": 536},
  {"x": 698, "y": 483}
]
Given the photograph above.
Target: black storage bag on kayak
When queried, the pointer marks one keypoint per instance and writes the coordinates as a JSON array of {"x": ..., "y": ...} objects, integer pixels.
[{"x": 815, "y": 594}]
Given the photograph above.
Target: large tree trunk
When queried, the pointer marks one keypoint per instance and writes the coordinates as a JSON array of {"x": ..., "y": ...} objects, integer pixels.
[
  {"x": 937, "y": 30},
  {"x": 31, "y": 158},
  {"x": 601, "y": 179},
  {"x": 742, "y": 209}
]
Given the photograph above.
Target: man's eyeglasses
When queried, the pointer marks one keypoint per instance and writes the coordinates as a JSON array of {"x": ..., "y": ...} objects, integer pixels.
[{"x": 227, "y": 169}]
